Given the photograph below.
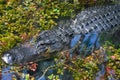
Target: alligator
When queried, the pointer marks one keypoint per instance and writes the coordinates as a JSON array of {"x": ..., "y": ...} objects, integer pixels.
[{"x": 77, "y": 32}]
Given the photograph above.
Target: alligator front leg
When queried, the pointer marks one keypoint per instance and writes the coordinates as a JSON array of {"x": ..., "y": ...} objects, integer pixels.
[{"x": 87, "y": 45}]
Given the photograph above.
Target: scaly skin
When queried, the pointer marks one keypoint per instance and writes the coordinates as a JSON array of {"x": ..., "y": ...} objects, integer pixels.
[{"x": 94, "y": 20}]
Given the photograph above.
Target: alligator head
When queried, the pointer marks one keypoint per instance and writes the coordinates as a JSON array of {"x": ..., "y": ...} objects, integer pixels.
[
  {"x": 19, "y": 54},
  {"x": 45, "y": 44}
]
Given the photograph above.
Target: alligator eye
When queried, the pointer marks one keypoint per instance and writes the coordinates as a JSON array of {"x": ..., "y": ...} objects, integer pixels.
[{"x": 13, "y": 58}]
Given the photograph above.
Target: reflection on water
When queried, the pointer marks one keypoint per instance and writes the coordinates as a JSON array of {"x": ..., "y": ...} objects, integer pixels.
[{"x": 6, "y": 74}]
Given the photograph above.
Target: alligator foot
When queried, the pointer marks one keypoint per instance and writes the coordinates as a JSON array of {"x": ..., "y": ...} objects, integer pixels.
[{"x": 90, "y": 42}]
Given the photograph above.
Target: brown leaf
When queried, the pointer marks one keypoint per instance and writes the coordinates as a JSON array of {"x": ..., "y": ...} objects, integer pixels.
[
  {"x": 33, "y": 66},
  {"x": 24, "y": 36}
]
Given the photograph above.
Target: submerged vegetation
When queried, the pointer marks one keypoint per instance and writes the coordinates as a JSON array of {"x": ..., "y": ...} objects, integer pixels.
[{"x": 20, "y": 20}]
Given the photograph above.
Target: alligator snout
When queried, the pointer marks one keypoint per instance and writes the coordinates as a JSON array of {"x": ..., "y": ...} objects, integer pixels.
[
  {"x": 7, "y": 58},
  {"x": 19, "y": 55}
]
